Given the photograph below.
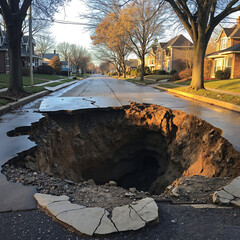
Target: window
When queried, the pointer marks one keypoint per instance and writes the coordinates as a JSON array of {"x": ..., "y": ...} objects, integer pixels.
[
  {"x": 223, "y": 43},
  {"x": 218, "y": 64},
  {"x": 229, "y": 62},
  {"x": 35, "y": 61}
]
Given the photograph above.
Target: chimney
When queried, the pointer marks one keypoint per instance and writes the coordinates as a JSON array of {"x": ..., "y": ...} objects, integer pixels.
[
  {"x": 54, "y": 51},
  {"x": 238, "y": 21}
]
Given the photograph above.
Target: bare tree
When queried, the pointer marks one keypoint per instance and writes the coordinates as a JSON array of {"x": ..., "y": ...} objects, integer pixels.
[
  {"x": 147, "y": 23},
  {"x": 104, "y": 54},
  {"x": 64, "y": 50},
  {"x": 44, "y": 43},
  {"x": 98, "y": 9},
  {"x": 79, "y": 58},
  {"x": 200, "y": 19},
  {"x": 14, "y": 13}
]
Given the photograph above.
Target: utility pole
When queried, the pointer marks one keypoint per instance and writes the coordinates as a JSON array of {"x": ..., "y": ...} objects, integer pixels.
[{"x": 30, "y": 44}]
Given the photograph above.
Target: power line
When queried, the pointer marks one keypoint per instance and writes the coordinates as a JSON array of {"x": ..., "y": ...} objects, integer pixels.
[{"x": 64, "y": 22}]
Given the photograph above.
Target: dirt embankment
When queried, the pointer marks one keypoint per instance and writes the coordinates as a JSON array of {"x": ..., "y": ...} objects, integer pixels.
[{"x": 142, "y": 146}]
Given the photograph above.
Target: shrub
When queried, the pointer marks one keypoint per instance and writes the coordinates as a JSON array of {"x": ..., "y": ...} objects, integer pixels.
[
  {"x": 219, "y": 74},
  {"x": 186, "y": 73},
  {"x": 45, "y": 69},
  {"x": 173, "y": 72},
  {"x": 227, "y": 73},
  {"x": 175, "y": 77},
  {"x": 56, "y": 64},
  {"x": 146, "y": 71},
  {"x": 25, "y": 71}
]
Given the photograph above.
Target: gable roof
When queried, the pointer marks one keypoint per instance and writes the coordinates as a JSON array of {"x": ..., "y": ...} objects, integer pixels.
[
  {"x": 50, "y": 55},
  {"x": 132, "y": 63},
  {"x": 162, "y": 44},
  {"x": 179, "y": 41},
  {"x": 233, "y": 49}
]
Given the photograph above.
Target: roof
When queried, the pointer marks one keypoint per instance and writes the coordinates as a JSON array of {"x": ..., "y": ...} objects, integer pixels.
[
  {"x": 228, "y": 31},
  {"x": 132, "y": 63},
  {"x": 178, "y": 41},
  {"x": 154, "y": 49},
  {"x": 234, "y": 48},
  {"x": 27, "y": 54},
  {"x": 233, "y": 32},
  {"x": 50, "y": 55},
  {"x": 162, "y": 44}
]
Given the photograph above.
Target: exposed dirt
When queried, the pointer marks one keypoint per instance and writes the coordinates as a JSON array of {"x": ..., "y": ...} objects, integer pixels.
[{"x": 142, "y": 146}]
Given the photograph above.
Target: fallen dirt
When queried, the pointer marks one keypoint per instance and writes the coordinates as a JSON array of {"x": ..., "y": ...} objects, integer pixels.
[{"x": 139, "y": 145}]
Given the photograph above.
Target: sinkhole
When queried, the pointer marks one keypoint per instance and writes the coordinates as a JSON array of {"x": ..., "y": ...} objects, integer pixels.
[{"x": 139, "y": 145}]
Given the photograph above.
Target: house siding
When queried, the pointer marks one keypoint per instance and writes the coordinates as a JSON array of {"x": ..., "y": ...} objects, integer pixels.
[{"x": 236, "y": 66}]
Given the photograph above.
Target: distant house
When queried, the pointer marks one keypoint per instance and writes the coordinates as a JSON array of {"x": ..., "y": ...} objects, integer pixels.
[
  {"x": 25, "y": 54},
  {"x": 227, "y": 54},
  {"x": 48, "y": 56},
  {"x": 131, "y": 64},
  {"x": 176, "y": 54}
]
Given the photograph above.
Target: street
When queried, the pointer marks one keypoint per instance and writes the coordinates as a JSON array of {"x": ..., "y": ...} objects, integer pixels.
[
  {"x": 176, "y": 221},
  {"x": 118, "y": 92}
]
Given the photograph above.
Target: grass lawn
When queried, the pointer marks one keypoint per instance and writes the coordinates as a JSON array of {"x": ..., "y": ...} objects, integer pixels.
[
  {"x": 158, "y": 77},
  {"x": 232, "y": 85},
  {"x": 37, "y": 79},
  {"x": 146, "y": 82},
  {"x": 206, "y": 93},
  {"x": 3, "y": 102},
  {"x": 36, "y": 89}
]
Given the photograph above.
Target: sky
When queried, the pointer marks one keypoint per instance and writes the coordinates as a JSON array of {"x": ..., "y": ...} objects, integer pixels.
[{"x": 70, "y": 33}]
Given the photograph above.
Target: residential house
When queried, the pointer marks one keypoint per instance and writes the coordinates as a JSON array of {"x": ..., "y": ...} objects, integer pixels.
[
  {"x": 227, "y": 54},
  {"x": 131, "y": 64},
  {"x": 48, "y": 56},
  {"x": 25, "y": 54},
  {"x": 151, "y": 58},
  {"x": 176, "y": 54}
]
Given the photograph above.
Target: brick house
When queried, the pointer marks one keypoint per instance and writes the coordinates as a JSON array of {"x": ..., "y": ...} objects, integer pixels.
[
  {"x": 227, "y": 54},
  {"x": 4, "y": 59},
  {"x": 176, "y": 54},
  {"x": 131, "y": 64}
]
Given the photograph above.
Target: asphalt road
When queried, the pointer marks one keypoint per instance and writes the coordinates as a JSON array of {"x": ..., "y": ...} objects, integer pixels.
[
  {"x": 176, "y": 222},
  {"x": 118, "y": 92}
]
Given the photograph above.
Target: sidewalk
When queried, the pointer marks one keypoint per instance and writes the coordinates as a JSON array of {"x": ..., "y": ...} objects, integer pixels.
[
  {"x": 25, "y": 100},
  {"x": 212, "y": 101}
]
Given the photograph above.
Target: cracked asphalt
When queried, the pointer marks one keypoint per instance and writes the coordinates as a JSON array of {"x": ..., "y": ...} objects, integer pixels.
[{"x": 176, "y": 222}]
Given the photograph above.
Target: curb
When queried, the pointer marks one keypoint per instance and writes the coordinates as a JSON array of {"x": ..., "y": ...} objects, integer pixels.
[
  {"x": 10, "y": 106},
  {"x": 22, "y": 101},
  {"x": 211, "y": 101}
]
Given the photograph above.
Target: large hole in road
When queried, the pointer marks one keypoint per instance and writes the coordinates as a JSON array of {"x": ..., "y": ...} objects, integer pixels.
[{"x": 142, "y": 146}]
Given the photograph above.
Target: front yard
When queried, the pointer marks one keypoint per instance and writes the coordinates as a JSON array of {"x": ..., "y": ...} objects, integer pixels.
[
  {"x": 37, "y": 79},
  {"x": 210, "y": 93},
  {"x": 231, "y": 85}
]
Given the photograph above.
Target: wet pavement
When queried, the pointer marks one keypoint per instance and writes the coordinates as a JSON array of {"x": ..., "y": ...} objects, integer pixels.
[
  {"x": 94, "y": 92},
  {"x": 99, "y": 91}
]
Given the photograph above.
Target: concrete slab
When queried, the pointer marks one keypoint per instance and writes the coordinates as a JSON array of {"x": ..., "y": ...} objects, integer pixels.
[
  {"x": 56, "y": 208},
  {"x": 147, "y": 209},
  {"x": 126, "y": 219},
  {"x": 75, "y": 103},
  {"x": 84, "y": 220},
  {"x": 233, "y": 188},
  {"x": 46, "y": 199}
]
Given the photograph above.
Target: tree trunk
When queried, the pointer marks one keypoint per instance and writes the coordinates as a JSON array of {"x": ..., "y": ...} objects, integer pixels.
[
  {"x": 142, "y": 68},
  {"x": 14, "y": 37},
  {"x": 198, "y": 63}
]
